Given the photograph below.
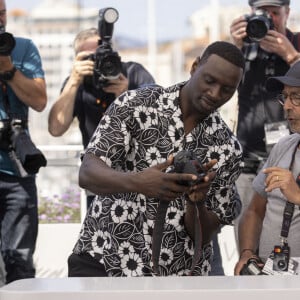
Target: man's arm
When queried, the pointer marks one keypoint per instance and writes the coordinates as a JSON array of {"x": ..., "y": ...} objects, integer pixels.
[
  {"x": 250, "y": 227},
  {"x": 97, "y": 177},
  {"x": 61, "y": 113},
  {"x": 31, "y": 91}
]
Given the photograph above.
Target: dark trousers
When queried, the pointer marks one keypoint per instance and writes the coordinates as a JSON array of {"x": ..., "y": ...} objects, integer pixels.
[
  {"x": 18, "y": 225},
  {"x": 84, "y": 265}
]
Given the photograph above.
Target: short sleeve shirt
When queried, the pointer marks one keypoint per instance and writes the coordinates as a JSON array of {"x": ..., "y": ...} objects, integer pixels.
[
  {"x": 139, "y": 130},
  {"x": 26, "y": 58}
]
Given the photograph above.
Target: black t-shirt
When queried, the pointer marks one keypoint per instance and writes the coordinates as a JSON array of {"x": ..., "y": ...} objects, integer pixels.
[
  {"x": 257, "y": 106},
  {"x": 90, "y": 105}
]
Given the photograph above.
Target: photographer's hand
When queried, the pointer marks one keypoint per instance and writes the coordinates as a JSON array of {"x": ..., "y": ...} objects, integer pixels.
[
  {"x": 285, "y": 181},
  {"x": 81, "y": 67},
  {"x": 5, "y": 63},
  {"x": 278, "y": 43},
  {"x": 117, "y": 86},
  {"x": 238, "y": 31}
]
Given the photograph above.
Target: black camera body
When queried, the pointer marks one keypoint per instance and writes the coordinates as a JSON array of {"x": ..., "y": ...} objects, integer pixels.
[
  {"x": 258, "y": 25},
  {"x": 108, "y": 64},
  {"x": 186, "y": 162},
  {"x": 281, "y": 257},
  {"x": 7, "y": 42},
  {"x": 26, "y": 157}
]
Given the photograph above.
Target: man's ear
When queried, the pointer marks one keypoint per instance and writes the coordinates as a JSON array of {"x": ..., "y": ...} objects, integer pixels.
[{"x": 195, "y": 65}]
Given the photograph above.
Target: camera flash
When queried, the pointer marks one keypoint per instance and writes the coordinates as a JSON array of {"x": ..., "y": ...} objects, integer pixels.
[{"x": 111, "y": 15}]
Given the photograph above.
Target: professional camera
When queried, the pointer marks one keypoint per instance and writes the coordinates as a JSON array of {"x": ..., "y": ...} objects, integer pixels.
[
  {"x": 107, "y": 62},
  {"x": 186, "y": 162},
  {"x": 7, "y": 42},
  {"x": 27, "y": 158},
  {"x": 258, "y": 25},
  {"x": 253, "y": 266},
  {"x": 281, "y": 257}
]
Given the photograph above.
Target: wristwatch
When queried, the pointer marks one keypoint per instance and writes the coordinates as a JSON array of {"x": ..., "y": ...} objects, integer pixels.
[{"x": 8, "y": 75}]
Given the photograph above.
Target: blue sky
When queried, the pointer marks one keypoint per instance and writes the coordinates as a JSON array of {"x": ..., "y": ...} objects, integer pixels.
[{"x": 171, "y": 15}]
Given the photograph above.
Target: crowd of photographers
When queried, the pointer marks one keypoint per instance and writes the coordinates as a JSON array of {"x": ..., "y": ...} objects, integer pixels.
[{"x": 130, "y": 125}]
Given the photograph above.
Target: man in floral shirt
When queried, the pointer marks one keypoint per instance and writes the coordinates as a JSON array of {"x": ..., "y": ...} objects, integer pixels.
[{"x": 125, "y": 164}]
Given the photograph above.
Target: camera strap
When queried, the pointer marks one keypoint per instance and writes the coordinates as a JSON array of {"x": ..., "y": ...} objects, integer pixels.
[
  {"x": 159, "y": 229},
  {"x": 5, "y": 99},
  {"x": 289, "y": 207}
]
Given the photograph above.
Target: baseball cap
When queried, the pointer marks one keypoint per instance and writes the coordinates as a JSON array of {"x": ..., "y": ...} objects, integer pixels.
[
  {"x": 259, "y": 3},
  {"x": 291, "y": 78}
]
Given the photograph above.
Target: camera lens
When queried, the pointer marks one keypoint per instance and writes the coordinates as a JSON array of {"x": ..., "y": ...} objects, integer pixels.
[
  {"x": 257, "y": 29},
  {"x": 111, "y": 66},
  {"x": 282, "y": 265}
]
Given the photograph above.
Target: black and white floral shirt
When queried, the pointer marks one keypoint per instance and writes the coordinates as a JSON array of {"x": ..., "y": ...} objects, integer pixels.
[{"x": 140, "y": 129}]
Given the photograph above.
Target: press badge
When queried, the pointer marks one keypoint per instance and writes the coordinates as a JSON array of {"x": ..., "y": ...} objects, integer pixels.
[{"x": 274, "y": 132}]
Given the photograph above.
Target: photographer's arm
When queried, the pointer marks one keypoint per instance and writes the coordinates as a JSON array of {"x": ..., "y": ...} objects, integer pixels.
[
  {"x": 97, "y": 177},
  {"x": 61, "y": 113},
  {"x": 31, "y": 91},
  {"x": 250, "y": 227}
]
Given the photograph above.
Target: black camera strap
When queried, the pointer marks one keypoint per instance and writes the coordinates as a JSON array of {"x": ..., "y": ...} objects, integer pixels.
[
  {"x": 289, "y": 207},
  {"x": 159, "y": 229},
  {"x": 5, "y": 99}
]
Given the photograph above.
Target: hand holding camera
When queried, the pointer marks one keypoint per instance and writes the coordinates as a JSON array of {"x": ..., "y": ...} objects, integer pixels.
[{"x": 107, "y": 62}]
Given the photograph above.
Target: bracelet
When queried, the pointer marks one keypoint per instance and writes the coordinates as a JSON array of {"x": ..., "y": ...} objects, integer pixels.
[
  {"x": 294, "y": 59},
  {"x": 247, "y": 249}
]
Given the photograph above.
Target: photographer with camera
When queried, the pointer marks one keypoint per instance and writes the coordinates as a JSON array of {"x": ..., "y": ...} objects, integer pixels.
[
  {"x": 22, "y": 86},
  {"x": 272, "y": 213},
  {"x": 87, "y": 93},
  {"x": 157, "y": 206},
  {"x": 269, "y": 48}
]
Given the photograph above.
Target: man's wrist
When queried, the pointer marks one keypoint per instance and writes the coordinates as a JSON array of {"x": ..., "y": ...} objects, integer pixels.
[
  {"x": 294, "y": 59},
  {"x": 8, "y": 75}
]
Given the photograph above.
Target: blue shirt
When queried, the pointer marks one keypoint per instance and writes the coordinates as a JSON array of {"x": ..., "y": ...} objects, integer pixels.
[{"x": 26, "y": 58}]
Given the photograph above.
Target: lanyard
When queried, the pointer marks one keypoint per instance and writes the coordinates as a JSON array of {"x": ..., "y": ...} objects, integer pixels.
[{"x": 289, "y": 207}]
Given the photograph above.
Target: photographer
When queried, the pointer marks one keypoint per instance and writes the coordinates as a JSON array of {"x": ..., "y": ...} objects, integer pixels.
[
  {"x": 270, "y": 53},
  {"x": 84, "y": 101},
  {"x": 149, "y": 218},
  {"x": 22, "y": 85},
  {"x": 277, "y": 184}
]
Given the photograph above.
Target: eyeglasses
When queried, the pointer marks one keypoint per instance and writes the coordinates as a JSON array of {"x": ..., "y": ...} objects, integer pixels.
[{"x": 294, "y": 98}]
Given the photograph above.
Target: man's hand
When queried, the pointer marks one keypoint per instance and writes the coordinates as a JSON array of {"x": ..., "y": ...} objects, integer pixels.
[
  {"x": 285, "y": 181},
  {"x": 5, "y": 63},
  {"x": 82, "y": 67},
  {"x": 198, "y": 191},
  {"x": 155, "y": 182},
  {"x": 238, "y": 31},
  {"x": 275, "y": 42},
  {"x": 117, "y": 86}
]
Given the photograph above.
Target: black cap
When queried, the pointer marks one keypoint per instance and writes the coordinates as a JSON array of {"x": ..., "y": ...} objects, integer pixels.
[
  {"x": 260, "y": 3},
  {"x": 291, "y": 78}
]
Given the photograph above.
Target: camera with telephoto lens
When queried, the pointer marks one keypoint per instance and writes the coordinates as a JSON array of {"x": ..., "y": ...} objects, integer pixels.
[
  {"x": 7, "y": 42},
  {"x": 107, "y": 61},
  {"x": 14, "y": 139},
  {"x": 258, "y": 25},
  {"x": 187, "y": 162},
  {"x": 252, "y": 266},
  {"x": 281, "y": 257}
]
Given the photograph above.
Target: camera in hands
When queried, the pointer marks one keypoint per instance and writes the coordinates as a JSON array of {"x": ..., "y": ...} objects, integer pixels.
[
  {"x": 258, "y": 25},
  {"x": 187, "y": 162},
  {"x": 14, "y": 139},
  {"x": 107, "y": 61},
  {"x": 7, "y": 42}
]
